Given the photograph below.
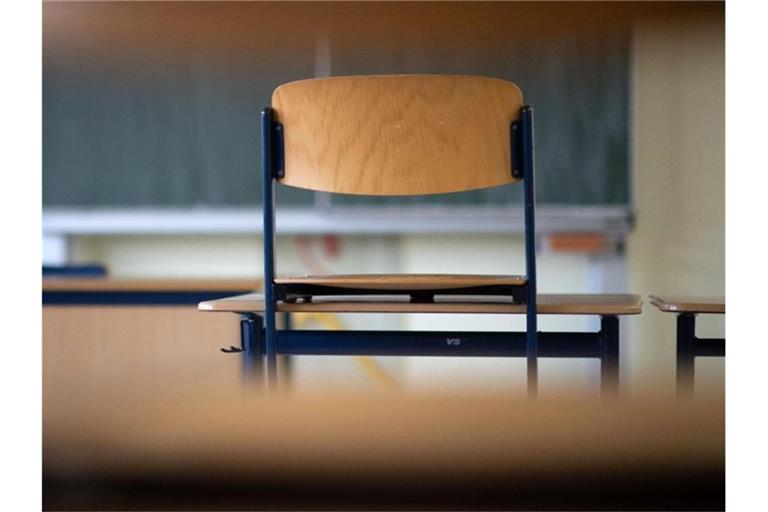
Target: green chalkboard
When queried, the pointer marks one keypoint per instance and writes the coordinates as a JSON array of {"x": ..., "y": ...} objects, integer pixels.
[{"x": 173, "y": 128}]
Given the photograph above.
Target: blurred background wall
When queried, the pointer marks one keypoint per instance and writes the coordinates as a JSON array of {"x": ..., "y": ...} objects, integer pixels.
[
  {"x": 643, "y": 191},
  {"x": 678, "y": 138}
]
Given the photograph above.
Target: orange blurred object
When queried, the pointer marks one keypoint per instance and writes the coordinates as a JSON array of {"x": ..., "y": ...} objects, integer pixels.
[{"x": 576, "y": 242}]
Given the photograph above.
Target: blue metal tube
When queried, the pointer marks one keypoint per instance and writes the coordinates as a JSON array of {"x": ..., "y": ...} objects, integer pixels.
[
  {"x": 250, "y": 335},
  {"x": 420, "y": 343},
  {"x": 270, "y": 304},
  {"x": 686, "y": 363},
  {"x": 709, "y": 347},
  {"x": 133, "y": 297},
  {"x": 529, "y": 186},
  {"x": 609, "y": 362}
]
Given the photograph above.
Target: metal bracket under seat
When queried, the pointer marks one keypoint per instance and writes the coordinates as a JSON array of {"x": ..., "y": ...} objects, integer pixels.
[{"x": 295, "y": 292}]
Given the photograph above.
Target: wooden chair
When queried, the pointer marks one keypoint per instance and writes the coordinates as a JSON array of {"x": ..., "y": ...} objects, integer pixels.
[
  {"x": 398, "y": 135},
  {"x": 689, "y": 346}
]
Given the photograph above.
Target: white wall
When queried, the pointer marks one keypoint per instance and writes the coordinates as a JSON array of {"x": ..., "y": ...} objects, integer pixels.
[{"x": 678, "y": 85}]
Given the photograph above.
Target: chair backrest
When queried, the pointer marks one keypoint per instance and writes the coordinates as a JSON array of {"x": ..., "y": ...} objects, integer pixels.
[{"x": 397, "y": 134}]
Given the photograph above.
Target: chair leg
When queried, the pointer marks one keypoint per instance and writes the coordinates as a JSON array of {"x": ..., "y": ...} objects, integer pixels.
[
  {"x": 529, "y": 193},
  {"x": 609, "y": 360},
  {"x": 686, "y": 338},
  {"x": 532, "y": 366},
  {"x": 270, "y": 309},
  {"x": 270, "y": 339}
]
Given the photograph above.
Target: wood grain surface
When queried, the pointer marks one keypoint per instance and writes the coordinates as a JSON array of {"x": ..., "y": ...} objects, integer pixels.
[
  {"x": 687, "y": 304},
  {"x": 66, "y": 284},
  {"x": 91, "y": 354},
  {"x": 334, "y": 431},
  {"x": 548, "y": 304},
  {"x": 404, "y": 281},
  {"x": 397, "y": 134}
]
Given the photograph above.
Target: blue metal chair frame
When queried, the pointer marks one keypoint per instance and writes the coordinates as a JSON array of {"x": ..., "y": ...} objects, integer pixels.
[{"x": 264, "y": 339}]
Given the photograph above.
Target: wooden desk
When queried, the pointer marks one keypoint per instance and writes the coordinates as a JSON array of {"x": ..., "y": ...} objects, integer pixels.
[
  {"x": 680, "y": 304},
  {"x": 138, "y": 337},
  {"x": 74, "y": 285},
  {"x": 548, "y": 304},
  {"x": 689, "y": 346},
  {"x": 603, "y": 344},
  {"x": 110, "y": 291},
  {"x": 213, "y": 449}
]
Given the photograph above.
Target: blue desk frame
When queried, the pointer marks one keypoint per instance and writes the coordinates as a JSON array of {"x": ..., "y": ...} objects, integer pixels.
[
  {"x": 602, "y": 345},
  {"x": 689, "y": 347}
]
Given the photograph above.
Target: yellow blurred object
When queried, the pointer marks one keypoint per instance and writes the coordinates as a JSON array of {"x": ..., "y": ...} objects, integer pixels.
[{"x": 368, "y": 365}]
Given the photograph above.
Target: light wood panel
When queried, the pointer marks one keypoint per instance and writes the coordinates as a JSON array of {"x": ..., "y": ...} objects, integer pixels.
[
  {"x": 682, "y": 304},
  {"x": 216, "y": 432},
  {"x": 548, "y": 304},
  {"x": 92, "y": 354},
  {"x": 404, "y": 281},
  {"x": 66, "y": 284},
  {"x": 397, "y": 134}
]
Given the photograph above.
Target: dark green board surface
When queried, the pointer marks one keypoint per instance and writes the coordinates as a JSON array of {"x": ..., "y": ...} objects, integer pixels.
[{"x": 183, "y": 131}]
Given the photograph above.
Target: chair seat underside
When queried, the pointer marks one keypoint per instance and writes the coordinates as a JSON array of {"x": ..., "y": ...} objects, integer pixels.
[{"x": 420, "y": 287}]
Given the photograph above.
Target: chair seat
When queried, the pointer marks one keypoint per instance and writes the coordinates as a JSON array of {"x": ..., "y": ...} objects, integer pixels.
[
  {"x": 389, "y": 282},
  {"x": 420, "y": 287}
]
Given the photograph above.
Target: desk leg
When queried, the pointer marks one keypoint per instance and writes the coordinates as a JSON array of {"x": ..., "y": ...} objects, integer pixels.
[
  {"x": 609, "y": 359},
  {"x": 686, "y": 339},
  {"x": 252, "y": 342}
]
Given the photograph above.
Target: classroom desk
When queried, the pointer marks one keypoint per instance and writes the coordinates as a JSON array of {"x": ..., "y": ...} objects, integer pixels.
[
  {"x": 547, "y": 304},
  {"x": 139, "y": 414},
  {"x": 690, "y": 346},
  {"x": 111, "y": 291},
  {"x": 683, "y": 304},
  {"x": 135, "y": 336},
  {"x": 602, "y": 345},
  {"x": 325, "y": 450}
]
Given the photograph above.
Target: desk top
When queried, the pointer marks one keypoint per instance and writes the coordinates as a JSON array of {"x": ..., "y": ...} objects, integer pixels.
[
  {"x": 414, "y": 450},
  {"x": 548, "y": 304},
  {"x": 681, "y": 304},
  {"x": 64, "y": 284}
]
